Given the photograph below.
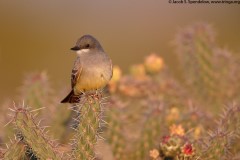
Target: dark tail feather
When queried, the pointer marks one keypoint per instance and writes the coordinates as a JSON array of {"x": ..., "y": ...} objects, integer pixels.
[{"x": 71, "y": 98}]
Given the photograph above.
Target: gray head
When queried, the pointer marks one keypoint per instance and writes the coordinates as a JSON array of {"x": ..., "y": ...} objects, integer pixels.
[{"x": 87, "y": 42}]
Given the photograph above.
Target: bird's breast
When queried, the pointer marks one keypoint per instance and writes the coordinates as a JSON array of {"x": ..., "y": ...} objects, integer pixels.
[{"x": 96, "y": 73}]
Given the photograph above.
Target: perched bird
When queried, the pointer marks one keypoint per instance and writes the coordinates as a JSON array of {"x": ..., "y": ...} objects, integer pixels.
[{"x": 92, "y": 69}]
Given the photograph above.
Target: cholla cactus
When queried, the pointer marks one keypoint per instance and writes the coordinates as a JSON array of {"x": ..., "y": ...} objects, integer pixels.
[
  {"x": 170, "y": 146},
  {"x": 175, "y": 148},
  {"x": 33, "y": 137},
  {"x": 195, "y": 48},
  {"x": 149, "y": 136},
  {"x": 16, "y": 150},
  {"x": 36, "y": 89},
  {"x": 187, "y": 152},
  {"x": 145, "y": 104},
  {"x": 115, "y": 136},
  {"x": 88, "y": 125},
  {"x": 219, "y": 142}
]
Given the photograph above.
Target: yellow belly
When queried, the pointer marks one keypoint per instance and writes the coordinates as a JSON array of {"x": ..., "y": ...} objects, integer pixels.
[{"x": 87, "y": 84}]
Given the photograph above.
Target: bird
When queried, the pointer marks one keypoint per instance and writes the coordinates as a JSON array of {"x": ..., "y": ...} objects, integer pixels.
[{"x": 92, "y": 68}]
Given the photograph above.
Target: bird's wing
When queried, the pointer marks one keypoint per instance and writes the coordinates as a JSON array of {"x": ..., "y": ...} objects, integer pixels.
[{"x": 76, "y": 72}]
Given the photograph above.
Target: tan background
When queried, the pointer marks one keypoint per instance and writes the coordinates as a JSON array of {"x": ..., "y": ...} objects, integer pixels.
[{"x": 37, "y": 35}]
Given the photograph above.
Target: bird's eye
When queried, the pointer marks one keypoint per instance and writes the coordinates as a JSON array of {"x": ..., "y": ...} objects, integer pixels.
[{"x": 87, "y": 46}]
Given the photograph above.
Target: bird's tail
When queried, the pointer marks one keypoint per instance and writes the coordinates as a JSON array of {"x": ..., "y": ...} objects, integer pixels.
[{"x": 71, "y": 98}]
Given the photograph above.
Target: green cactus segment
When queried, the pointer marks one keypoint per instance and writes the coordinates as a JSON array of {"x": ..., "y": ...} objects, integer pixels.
[
  {"x": 218, "y": 143},
  {"x": 33, "y": 135},
  {"x": 15, "y": 151},
  {"x": 149, "y": 137},
  {"x": 36, "y": 89},
  {"x": 204, "y": 55},
  {"x": 114, "y": 134},
  {"x": 171, "y": 148},
  {"x": 196, "y": 47},
  {"x": 88, "y": 128},
  {"x": 61, "y": 119}
]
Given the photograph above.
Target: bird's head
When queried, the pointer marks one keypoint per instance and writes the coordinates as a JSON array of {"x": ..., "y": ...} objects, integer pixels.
[{"x": 87, "y": 43}]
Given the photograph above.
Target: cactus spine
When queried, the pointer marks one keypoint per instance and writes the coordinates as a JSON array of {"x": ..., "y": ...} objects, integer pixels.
[
  {"x": 31, "y": 134},
  {"x": 89, "y": 122}
]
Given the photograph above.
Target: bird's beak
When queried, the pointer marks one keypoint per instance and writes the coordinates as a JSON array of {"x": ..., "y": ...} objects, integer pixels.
[{"x": 75, "y": 48}]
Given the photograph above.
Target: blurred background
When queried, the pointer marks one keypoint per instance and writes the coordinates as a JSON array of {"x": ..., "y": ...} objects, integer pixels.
[{"x": 37, "y": 35}]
